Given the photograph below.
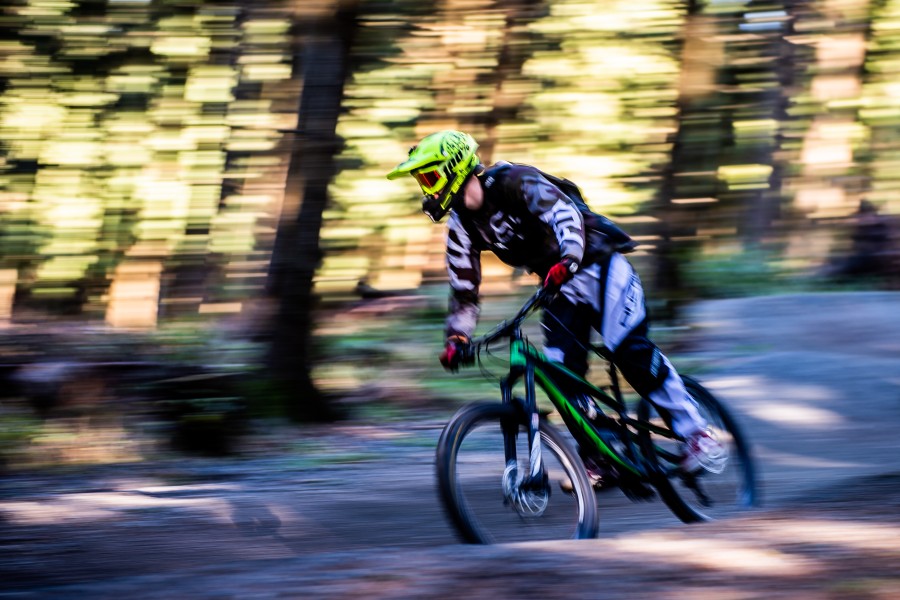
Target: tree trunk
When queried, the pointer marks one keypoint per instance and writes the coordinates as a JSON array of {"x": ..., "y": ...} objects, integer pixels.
[
  {"x": 517, "y": 47},
  {"x": 696, "y": 148},
  {"x": 323, "y": 49}
]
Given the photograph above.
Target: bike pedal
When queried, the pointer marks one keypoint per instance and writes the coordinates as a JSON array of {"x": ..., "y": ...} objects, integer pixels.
[{"x": 603, "y": 484}]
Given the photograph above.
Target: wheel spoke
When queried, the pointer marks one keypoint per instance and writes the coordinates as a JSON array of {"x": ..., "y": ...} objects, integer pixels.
[{"x": 486, "y": 497}]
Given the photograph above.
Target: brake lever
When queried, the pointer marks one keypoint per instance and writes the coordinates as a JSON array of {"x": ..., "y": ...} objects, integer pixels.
[
  {"x": 544, "y": 296},
  {"x": 468, "y": 354}
]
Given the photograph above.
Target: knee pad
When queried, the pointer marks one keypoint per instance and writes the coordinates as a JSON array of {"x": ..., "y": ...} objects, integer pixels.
[{"x": 641, "y": 363}]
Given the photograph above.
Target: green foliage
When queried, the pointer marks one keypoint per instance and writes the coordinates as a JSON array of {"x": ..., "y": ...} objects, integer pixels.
[
  {"x": 758, "y": 272},
  {"x": 128, "y": 129},
  {"x": 261, "y": 397},
  {"x": 736, "y": 273},
  {"x": 16, "y": 433}
]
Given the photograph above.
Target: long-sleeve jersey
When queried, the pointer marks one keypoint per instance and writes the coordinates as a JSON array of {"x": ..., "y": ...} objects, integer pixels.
[{"x": 527, "y": 221}]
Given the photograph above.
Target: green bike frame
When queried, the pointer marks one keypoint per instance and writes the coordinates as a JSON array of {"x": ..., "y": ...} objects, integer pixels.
[{"x": 602, "y": 437}]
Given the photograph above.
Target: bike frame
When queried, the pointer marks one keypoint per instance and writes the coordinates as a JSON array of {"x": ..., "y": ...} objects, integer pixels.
[
  {"x": 639, "y": 454},
  {"x": 532, "y": 367},
  {"x": 613, "y": 440}
]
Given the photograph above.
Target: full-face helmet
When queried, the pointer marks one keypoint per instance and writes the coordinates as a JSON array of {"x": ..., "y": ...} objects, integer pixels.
[{"x": 441, "y": 163}]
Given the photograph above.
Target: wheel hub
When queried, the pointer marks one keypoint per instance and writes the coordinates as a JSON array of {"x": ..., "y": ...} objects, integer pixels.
[{"x": 528, "y": 501}]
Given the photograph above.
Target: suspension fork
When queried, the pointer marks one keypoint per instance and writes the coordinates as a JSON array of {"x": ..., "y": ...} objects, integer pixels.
[
  {"x": 510, "y": 430},
  {"x": 536, "y": 472}
]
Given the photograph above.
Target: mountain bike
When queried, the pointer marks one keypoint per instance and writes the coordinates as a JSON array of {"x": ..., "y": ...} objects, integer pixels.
[{"x": 506, "y": 473}]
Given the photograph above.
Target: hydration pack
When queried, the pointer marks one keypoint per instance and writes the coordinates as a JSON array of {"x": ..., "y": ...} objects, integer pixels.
[{"x": 613, "y": 238}]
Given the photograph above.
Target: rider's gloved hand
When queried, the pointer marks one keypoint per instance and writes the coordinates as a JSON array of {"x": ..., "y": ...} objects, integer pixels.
[
  {"x": 454, "y": 352},
  {"x": 560, "y": 273}
]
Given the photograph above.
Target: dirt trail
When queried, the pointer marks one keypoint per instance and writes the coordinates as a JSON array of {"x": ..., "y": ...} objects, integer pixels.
[{"x": 814, "y": 380}]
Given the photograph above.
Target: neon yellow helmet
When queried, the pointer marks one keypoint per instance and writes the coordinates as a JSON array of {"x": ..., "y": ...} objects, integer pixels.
[{"x": 440, "y": 163}]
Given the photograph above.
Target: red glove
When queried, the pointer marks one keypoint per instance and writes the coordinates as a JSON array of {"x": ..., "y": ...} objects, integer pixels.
[
  {"x": 560, "y": 273},
  {"x": 453, "y": 352}
]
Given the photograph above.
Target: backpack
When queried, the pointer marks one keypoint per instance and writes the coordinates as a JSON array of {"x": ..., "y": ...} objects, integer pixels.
[{"x": 602, "y": 235}]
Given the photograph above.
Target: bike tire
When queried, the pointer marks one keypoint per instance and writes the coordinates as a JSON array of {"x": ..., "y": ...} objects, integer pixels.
[
  {"x": 470, "y": 467},
  {"x": 726, "y": 494}
]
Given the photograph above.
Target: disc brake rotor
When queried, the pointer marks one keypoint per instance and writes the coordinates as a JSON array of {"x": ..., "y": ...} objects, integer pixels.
[{"x": 527, "y": 503}]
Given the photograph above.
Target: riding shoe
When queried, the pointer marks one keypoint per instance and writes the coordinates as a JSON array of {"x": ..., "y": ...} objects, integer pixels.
[{"x": 702, "y": 451}]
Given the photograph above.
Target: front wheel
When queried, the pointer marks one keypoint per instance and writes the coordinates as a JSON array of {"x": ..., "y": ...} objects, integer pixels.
[
  {"x": 490, "y": 501},
  {"x": 701, "y": 496}
]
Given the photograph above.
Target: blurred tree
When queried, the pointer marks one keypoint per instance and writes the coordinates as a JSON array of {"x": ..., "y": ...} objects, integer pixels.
[
  {"x": 725, "y": 173},
  {"x": 756, "y": 102},
  {"x": 516, "y": 47},
  {"x": 135, "y": 136},
  {"x": 324, "y": 32},
  {"x": 696, "y": 145}
]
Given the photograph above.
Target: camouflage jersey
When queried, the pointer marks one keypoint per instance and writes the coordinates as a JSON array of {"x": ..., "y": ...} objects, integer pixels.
[{"x": 530, "y": 220}]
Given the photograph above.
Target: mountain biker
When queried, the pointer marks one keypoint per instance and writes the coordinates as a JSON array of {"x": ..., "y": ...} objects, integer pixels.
[{"x": 530, "y": 219}]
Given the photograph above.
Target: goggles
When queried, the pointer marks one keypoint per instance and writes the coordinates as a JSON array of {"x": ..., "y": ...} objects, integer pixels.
[{"x": 431, "y": 181}]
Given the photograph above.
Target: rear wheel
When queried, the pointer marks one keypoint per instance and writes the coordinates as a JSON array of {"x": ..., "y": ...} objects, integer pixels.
[
  {"x": 485, "y": 498},
  {"x": 701, "y": 496}
]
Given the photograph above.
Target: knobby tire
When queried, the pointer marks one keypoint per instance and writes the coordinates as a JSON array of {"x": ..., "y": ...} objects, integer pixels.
[
  {"x": 681, "y": 501},
  {"x": 467, "y": 523}
]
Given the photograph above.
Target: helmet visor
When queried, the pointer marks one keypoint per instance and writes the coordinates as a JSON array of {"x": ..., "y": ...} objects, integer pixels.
[{"x": 431, "y": 180}]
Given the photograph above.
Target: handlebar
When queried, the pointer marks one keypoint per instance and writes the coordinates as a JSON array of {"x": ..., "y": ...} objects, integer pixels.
[{"x": 508, "y": 327}]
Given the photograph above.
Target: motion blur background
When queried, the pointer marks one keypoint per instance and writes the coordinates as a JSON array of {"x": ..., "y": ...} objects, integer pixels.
[{"x": 195, "y": 191}]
